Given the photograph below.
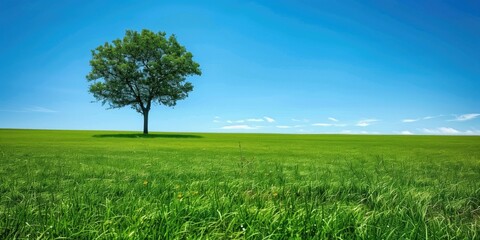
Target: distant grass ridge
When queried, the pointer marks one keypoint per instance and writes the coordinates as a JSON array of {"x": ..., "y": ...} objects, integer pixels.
[
  {"x": 111, "y": 185},
  {"x": 151, "y": 135}
]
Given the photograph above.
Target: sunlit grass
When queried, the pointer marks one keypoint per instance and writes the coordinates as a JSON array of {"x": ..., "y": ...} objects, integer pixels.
[{"x": 106, "y": 185}]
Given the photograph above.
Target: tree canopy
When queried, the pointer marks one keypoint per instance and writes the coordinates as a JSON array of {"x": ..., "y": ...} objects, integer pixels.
[{"x": 140, "y": 70}]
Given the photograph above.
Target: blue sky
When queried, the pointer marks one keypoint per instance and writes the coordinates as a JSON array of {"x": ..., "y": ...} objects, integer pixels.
[{"x": 389, "y": 67}]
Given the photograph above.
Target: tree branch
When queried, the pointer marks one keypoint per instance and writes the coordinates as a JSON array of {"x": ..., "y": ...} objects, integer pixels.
[{"x": 136, "y": 94}]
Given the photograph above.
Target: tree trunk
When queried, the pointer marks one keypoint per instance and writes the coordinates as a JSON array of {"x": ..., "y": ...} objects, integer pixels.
[{"x": 145, "y": 122}]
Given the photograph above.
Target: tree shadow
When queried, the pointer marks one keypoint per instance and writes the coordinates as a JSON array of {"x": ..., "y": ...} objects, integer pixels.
[{"x": 139, "y": 135}]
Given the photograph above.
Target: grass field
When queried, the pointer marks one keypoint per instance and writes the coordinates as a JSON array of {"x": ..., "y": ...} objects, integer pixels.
[{"x": 108, "y": 185}]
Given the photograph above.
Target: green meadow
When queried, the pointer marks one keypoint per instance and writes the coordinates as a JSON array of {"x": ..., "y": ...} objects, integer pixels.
[{"x": 122, "y": 185}]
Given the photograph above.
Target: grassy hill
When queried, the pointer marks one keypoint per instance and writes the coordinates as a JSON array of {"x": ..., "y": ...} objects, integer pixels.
[{"x": 106, "y": 185}]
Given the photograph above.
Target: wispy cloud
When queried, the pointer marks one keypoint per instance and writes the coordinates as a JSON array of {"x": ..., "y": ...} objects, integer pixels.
[
  {"x": 238, "y": 127},
  {"x": 432, "y": 117},
  {"x": 40, "y": 109},
  {"x": 448, "y": 130},
  {"x": 410, "y": 120},
  {"x": 289, "y": 126},
  {"x": 216, "y": 119},
  {"x": 466, "y": 117},
  {"x": 255, "y": 120},
  {"x": 300, "y": 120},
  {"x": 333, "y": 119},
  {"x": 366, "y": 122},
  {"x": 472, "y": 132},
  {"x": 406, "y": 133},
  {"x": 236, "y": 121},
  {"x": 269, "y": 119},
  {"x": 35, "y": 109},
  {"x": 322, "y": 124},
  {"x": 11, "y": 111},
  {"x": 329, "y": 125},
  {"x": 430, "y": 131},
  {"x": 441, "y": 130},
  {"x": 357, "y": 132}
]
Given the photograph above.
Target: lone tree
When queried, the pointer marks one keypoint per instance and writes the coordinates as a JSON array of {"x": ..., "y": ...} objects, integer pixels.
[{"x": 141, "y": 69}]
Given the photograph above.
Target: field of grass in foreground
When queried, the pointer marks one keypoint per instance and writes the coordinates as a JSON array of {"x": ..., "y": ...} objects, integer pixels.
[{"x": 107, "y": 185}]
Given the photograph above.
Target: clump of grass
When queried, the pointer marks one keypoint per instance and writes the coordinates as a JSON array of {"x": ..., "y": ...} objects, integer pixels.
[{"x": 68, "y": 184}]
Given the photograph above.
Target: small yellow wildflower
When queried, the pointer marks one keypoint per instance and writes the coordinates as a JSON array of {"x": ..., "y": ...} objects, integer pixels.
[{"x": 145, "y": 182}]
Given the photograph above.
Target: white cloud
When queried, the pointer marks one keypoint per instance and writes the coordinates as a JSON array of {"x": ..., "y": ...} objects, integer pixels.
[
  {"x": 406, "y": 133},
  {"x": 217, "y": 119},
  {"x": 333, "y": 119},
  {"x": 236, "y": 121},
  {"x": 329, "y": 125},
  {"x": 431, "y": 117},
  {"x": 441, "y": 130},
  {"x": 472, "y": 132},
  {"x": 366, "y": 122},
  {"x": 357, "y": 132},
  {"x": 269, "y": 119},
  {"x": 11, "y": 111},
  {"x": 448, "y": 130},
  {"x": 300, "y": 120},
  {"x": 288, "y": 126},
  {"x": 40, "y": 109},
  {"x": 466, "y": 117},
  {"x": 255, "y": 120},
  {"x": 410, "y": 120},
  {"x": 322, "y": 124},
  {"x": 30, "y": 110},
  {"x": 430, "y": 131},
  {"x": 239, "y": 127}
]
